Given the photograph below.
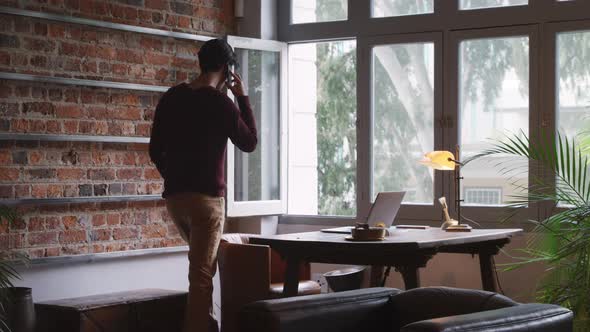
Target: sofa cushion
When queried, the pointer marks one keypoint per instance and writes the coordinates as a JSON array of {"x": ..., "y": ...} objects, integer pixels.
[{"x": 433, "y": 302}]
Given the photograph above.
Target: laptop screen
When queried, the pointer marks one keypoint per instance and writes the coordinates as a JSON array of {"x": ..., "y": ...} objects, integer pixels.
[{"x": 385, "y": 208}]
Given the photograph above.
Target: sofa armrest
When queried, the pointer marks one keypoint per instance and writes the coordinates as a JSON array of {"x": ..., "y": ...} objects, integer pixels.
[
  {"x": 525, "y": 317},
  {"x": 357, "y": 310}
]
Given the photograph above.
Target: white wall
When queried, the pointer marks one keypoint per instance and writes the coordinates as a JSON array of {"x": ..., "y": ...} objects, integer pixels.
[{"x": 57, "y": 281}]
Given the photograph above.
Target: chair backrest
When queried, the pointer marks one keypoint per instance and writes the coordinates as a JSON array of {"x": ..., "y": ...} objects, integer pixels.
[{"x": 244, "y": 276}]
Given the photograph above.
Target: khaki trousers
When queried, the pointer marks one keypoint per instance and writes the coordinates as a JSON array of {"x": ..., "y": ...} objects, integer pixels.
[{"x": 200, "y": 220}]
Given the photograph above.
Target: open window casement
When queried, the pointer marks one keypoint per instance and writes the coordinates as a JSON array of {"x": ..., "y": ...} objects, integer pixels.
[{"x": 256, "y": 182}]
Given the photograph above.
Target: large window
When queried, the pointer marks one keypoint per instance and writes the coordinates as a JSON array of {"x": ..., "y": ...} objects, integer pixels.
[
  {"x": 478, "y": 4},
  {"x": 322, "y": 105},
  {"x": 373, "y": 85},
  {"x": 573, "y": 84},
  {"x": 311, "y": 11},
  {"x": 388, "y": 8},
  {"x": 493, "y": 102},
  {"x": 403, "y": 119}
]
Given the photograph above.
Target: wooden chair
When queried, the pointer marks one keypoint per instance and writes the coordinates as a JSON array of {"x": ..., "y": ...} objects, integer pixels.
[{"x": 251, "y": 273}]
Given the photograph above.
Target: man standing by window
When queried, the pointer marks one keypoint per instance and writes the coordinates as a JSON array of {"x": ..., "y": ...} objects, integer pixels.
[{"x": 188, "y": 143}]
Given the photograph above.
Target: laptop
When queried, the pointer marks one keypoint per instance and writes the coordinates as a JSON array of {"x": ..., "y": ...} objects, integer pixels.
[{"x": 383, "y": 210}]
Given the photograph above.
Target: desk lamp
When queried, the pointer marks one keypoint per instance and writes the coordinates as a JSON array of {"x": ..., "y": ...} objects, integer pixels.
[{"x": 445, "y": 161}]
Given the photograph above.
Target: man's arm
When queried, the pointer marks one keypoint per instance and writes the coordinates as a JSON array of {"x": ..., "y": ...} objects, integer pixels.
[
  {"x": 157, "y": 147},
  {"x": 243, "y": 133}
]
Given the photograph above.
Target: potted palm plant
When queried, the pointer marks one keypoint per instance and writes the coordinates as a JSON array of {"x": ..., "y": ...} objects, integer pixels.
[
  {"x": 16, "y": 309},
  {"x": 561, "y": 239}
]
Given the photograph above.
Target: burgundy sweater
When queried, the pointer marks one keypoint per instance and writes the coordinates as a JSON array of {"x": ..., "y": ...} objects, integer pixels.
[{"x": 189, "y": 138}]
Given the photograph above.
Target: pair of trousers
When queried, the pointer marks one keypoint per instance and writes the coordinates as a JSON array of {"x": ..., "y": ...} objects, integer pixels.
[{"x": 200, "y": 220}]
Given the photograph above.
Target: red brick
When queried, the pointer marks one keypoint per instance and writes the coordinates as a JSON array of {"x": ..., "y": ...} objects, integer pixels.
[
  {"x": 53, "y": 223},
  {"x": 72, "y": 236},
  {"x": 100, "y": 235},
  {"x": 9, "y": 174},
  {"x": 113, "y": 219},
  {"x": 5, "y": 157},
  {"x": 39, "y": 191},
  {"x": 153, "y": 231},
  {"x": 70, "y": 49},
  {"x": 7, "y": 191},
  {"x": 184, "y": 22},
  {"x": 46, "y": 238},
  {"x": 22, "y": 191},
  {"x": 71, "y": 174},
  {"x": 157, "y": 59},
  {"x": 157, "y": 4},
  {"x": 75, "y": 249},
  {"x": 53, "y": 126},
  {"x": 143, "y": 129},
  {"x": 55, "y": 191},
  {"x": 70, "y": 127},
  {"x": 101, "y": 174},
  {"x": 130, "y": 56},
  {"x": 40, "y": 29},
  {"x": 125, "y": 233},
  {"x": 37, "y": 126},
  {"x": 56, "y": 31},
  {"x": 129, "y": 174},
  {"x": 5, "y": 58},
  {"x": 19, "y": 125},
  {"x": 36, "y": 224},
  {"x": 41, "y": 108},
  {"x": 98, "y": 248},
  {"x": 35, "y": 157},
  {"x": 51, "y": 252},
  {"x": 70, "y": 222},
  {"x": 98, "y": 220},
  {"x": 127, "y": 113}
]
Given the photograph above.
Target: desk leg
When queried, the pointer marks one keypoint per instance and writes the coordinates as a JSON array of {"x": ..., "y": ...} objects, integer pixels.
[
  {"x": 376, "y": 276},
  {"x": 291, "y": 286},
  {"x": 488, "y": 275},
  {"x": 411, "y": 276}
]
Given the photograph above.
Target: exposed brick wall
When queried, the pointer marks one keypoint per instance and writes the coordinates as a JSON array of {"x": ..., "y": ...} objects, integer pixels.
[
  {"x": 33, "y": 169},
  {"x": 74, "y": 229},
  {"x": 59, "y": 109},
  {"x": 36, "y": 46},
  {"x": 212, "y": 17}
]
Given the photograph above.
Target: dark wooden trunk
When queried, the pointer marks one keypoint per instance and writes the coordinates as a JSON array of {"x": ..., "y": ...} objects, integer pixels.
[{"x": 146, "y": 310}]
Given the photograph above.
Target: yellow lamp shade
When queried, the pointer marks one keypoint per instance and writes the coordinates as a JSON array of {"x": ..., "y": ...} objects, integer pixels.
[{"x": 441, "y": 160}]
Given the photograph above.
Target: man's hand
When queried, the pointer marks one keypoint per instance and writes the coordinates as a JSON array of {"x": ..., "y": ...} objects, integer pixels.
[{"x": 237, "y": 88}]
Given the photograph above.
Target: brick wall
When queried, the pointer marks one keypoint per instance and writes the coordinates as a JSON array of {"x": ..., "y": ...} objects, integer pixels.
[{"x": 33, "y": 169}]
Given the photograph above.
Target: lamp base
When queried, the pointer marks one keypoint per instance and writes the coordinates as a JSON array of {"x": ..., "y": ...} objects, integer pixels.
[{"x": 458, "y": 228}]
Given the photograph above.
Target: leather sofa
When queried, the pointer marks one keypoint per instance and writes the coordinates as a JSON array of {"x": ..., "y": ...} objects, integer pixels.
[{"x": 386, "y": 309}]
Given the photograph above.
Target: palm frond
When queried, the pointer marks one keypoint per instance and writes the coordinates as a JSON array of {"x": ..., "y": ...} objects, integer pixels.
[{"x": 561, "y": 241}]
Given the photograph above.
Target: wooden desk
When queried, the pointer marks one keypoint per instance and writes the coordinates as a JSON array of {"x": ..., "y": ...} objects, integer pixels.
[{"x": 406, "y": 250}]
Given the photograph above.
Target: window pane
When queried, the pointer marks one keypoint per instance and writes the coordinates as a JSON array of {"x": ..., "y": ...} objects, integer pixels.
[
  {"x": 493, "y": 101},
  {"x": 311, "y": 11},
  {"x": 322, "y": 106},
  {"x": 403, "y": 113},
  {"x": 387, "y": 8},
  {"x": 477, "y": 4},
  {"x": 573, "y": 75},
  {"x": 257, "y": 175}
]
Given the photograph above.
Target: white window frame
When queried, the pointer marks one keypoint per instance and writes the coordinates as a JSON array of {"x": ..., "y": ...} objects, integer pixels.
[{"x": 263, "y": 207}]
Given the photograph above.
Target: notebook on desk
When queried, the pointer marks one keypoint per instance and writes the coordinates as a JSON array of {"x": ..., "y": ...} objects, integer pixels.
[{"x": 383, "y": 210}]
